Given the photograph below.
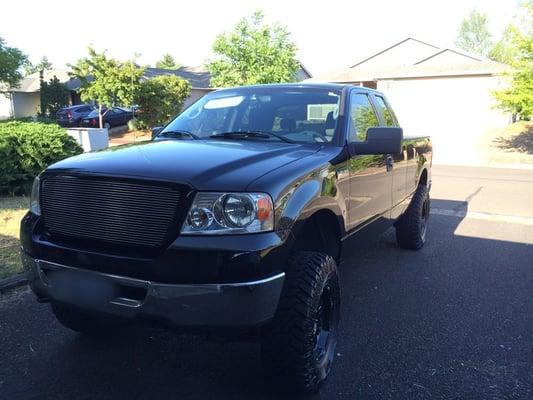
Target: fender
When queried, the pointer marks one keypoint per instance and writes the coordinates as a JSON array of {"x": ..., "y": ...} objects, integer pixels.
[{"x": 316, "y": 192}]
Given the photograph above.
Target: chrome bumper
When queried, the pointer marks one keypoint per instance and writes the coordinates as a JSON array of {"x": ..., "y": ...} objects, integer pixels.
[{"x": 231, "y": 305}]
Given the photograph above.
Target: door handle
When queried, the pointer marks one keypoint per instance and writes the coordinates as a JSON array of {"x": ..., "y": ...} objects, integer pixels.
[{"x": 389, "y": 162}]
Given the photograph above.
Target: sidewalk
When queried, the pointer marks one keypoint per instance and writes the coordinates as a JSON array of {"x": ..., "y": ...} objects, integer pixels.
[{"x": 119, "y": 136}]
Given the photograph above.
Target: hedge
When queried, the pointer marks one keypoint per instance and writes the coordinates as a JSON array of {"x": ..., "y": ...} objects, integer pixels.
[{"x": 27, "y": 148}]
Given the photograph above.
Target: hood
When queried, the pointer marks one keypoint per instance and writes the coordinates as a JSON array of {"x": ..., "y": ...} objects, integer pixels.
[{"x": 205, "y": 165}]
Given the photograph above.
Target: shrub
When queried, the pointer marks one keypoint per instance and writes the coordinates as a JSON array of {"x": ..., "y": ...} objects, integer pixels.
[
  {"x": 160, "y": 99},
  {"x": 26, "y": 148},
  {"x": 133, "y": 125}
]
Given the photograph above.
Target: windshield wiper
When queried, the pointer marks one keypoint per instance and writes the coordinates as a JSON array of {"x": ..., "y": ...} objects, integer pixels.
[
  {"x": 245, "y": 134},
  {"x": 177, "y": 132}
]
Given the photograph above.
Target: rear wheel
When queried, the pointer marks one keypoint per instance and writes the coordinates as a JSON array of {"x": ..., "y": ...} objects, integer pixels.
[
  {"x": 79, "y": 321},
  {"x": 299, "y": 347},
  {"x": 107, "y": 125},
  {"x": 412, "y": 226}
]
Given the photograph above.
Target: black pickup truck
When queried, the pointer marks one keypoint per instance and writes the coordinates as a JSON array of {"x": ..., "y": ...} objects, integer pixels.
[{"x": 231, "y": 220}]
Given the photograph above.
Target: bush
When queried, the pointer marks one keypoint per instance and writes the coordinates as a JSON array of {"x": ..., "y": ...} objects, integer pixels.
[
  {"x": 160, "y": 99},
  {"x": 133, "y": 125},
  {"x": 26, "y": 148},
  {"x": 38, "y": 118}
]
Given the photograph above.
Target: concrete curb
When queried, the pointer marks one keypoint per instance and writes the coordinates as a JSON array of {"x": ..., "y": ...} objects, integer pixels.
[{"x": 13, "y": 282}]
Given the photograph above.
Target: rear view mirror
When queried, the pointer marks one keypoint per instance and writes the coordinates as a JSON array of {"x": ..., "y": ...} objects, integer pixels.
[
  {"x": 156, "y": 130},
  {"x": 383, "y": 140}
]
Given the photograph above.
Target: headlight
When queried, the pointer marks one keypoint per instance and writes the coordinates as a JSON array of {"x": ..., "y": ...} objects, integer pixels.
[
  {"x": 35, "y": 207},
  {"x": 228, "y": 213}
]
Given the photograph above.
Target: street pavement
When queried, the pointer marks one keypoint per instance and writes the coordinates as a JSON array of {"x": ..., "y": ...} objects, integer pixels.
[{"x": 452, "y": 321}]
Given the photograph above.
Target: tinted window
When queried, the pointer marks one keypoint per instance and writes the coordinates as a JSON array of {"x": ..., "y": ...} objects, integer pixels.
[
  {"x": 302, "y": 115},
  {"x": 362, "y": 117},
  {"x": 385, "y": 112}
]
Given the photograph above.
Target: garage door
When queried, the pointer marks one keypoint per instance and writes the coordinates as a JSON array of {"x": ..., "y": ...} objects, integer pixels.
[{"x": 455, "y": 111}]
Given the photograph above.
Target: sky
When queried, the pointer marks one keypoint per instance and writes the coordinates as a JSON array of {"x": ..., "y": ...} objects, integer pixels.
[{"x": 330, "y": 35}]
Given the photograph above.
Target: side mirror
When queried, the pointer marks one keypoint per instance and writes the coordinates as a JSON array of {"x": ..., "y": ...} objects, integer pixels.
[
  {"x": 156, "y": 130},
  {"x": 383, "y": 140}
]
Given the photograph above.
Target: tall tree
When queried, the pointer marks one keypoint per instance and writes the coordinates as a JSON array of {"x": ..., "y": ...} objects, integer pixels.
[
  {"x": 474, "y": 35},
  {"x": 11, "y": 61},
  {"x": 167, "y": 62},
  {"x": 254, "y": 52},
  {"x": 54, "y": 95},
  {"x": 42, "y": 65},
  {"x": 161, "y": 98},
  {"x": 505, "y": 49},
  {"x": 106, "y": 80},
  {"x": 518, "y": 96}
]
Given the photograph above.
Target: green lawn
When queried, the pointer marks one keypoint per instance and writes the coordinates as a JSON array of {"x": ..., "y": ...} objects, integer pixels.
[{"x": 12, "y": 209}]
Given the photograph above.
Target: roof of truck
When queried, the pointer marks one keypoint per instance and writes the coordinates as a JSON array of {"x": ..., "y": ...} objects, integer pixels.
[{"x": 306, "y": 85}]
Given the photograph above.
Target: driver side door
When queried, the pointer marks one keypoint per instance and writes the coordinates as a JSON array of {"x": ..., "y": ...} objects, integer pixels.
[{"x": 370, "y": 175}]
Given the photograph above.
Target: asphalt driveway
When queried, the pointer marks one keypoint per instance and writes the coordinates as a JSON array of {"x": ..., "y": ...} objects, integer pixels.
[{"x": 453, "y": 321}]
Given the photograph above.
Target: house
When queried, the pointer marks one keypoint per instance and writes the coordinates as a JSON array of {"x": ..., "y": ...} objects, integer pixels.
[
  {"x": 434, "y": 90},
  {"x": 24, "y": 101}
]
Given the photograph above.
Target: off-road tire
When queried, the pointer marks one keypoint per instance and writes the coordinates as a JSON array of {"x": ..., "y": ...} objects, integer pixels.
[
  {"x": 412, "y": 225},
  {"x": 289, "y": 349},
  {"x": 79, "y": 321}
]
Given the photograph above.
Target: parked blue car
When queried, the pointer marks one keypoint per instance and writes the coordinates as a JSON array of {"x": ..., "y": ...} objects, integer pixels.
[
  {"x": 73, "y": 115},
  {"x": 114, "y": 116}
]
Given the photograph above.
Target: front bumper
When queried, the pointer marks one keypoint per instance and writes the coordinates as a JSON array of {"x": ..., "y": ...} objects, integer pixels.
[{"x": 227, "y": 305}]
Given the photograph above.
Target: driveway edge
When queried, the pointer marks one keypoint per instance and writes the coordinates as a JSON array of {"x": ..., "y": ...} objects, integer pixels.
[{"x": 12, "y": 282}]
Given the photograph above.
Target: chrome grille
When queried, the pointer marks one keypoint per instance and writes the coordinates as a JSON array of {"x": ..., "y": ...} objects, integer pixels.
[{"x": 110, "y": 211}]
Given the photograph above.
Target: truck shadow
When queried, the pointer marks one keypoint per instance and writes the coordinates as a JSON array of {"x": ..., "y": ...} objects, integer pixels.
[{"x": 409, "y": 320}]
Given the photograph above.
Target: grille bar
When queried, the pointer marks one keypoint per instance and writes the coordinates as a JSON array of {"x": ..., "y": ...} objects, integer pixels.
[{"x": 110, "y": 211}]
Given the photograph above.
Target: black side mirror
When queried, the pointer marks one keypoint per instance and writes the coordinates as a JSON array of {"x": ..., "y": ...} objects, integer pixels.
[
  {"x": 156, "y": 130},
  {"x": 384, "y": 140}
]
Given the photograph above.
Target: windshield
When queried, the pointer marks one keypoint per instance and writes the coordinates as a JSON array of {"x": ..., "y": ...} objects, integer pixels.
[{"x": 301, "y": 115}]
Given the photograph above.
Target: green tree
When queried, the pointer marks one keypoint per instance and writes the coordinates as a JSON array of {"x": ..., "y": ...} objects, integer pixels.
[
  {"x": 54, "y": 95},
  {"x": 517, "y": 98},
  {"x": 161, "y": 98},
  {"x": 43, "y": 65},
  {"x": 504, "y": 50},
  {"x": 106, "y": 80},
  {"x": 474, "y": 35},
  {"x": 167, "y": 62},
  {"x": 253, "y": 53},
  {"x": 11, "y": 60}
]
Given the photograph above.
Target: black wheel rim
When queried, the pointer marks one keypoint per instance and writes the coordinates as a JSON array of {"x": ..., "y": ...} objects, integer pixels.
[{"x": 325, "y": 327}]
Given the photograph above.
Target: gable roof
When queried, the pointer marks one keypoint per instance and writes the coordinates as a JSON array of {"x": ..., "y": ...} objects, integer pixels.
[
  {"x": 448, "y": 50},
  {"x": 32, "y": 83},
  {"x": 409, "y": 40},
  {"x": 438, "y": 62}
]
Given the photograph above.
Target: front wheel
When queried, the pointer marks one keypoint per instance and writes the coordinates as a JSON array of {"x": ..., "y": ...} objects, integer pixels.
[{"x": 299, "y": 347}]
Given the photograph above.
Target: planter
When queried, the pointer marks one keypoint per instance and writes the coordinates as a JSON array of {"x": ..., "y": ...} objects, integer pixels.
[{"x": 90, "y": 139}]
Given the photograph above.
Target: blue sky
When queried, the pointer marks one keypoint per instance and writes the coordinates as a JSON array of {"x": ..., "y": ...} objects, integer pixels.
[{"x": 329, "y": 34}]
